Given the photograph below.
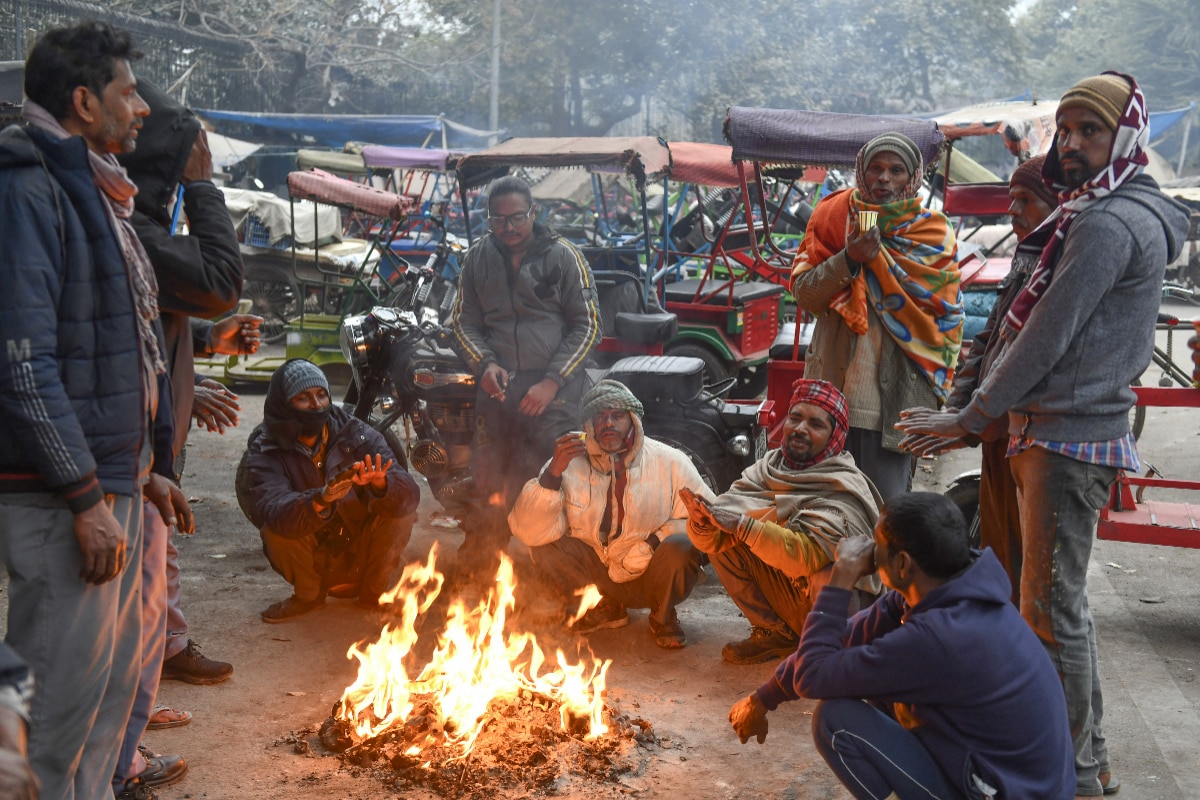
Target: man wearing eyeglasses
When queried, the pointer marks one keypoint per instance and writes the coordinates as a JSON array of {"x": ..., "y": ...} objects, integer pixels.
[{"x": 525, "y": 320}]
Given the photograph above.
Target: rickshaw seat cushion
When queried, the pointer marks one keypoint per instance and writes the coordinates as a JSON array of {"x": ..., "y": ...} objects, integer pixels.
[
  {"x": 647, "y": 328},
  {"x": 785, "y": 340},
  {"x": 744, "y": 292},
  {"x": 660, "y": 379}
]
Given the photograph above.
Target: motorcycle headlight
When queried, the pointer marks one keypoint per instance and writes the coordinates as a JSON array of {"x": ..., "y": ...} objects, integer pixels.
[
  {"x": 740, "y": 445},
  {"x": 358, "y": 336}
]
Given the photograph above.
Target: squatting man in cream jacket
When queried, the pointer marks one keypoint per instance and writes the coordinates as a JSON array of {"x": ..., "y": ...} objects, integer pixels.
[{"x": 606, "y": 510}]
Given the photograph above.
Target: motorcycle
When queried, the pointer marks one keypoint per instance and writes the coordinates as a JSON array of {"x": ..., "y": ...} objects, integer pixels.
[{"x": 410, "y": 384}]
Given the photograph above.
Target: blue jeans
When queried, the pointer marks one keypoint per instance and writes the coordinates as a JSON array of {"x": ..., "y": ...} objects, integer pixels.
[
  {"x": 1060, "y": 501},
  {"x": 874, "y": 756},
  {"x": 154, "y": 633}
]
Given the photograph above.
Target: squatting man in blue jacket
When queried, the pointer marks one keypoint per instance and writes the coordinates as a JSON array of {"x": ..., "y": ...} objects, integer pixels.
[
  {"x": 334, "y": 509},
  {"x": 939, "y": 689}
]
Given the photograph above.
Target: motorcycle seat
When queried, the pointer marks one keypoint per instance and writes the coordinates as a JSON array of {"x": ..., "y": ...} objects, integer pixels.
[
  {"x": 781, "y": 348},
  {"x": 651, "y": 327},
  {"x": 660, "y": 379},
  {"x": 744, "y": 292}
]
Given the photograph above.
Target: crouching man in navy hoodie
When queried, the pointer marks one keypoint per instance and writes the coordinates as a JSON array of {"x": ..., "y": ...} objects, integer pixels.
[{"x": 940, "y": 689}]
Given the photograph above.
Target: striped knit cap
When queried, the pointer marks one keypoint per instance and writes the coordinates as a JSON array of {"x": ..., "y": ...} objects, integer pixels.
[
  {"x": 1106, "y": 95},
  {"x": 608, "y": 394}
]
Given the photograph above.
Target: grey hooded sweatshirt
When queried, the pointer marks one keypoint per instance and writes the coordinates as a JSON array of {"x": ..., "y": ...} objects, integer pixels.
[{"x": 1066, "y": 376}]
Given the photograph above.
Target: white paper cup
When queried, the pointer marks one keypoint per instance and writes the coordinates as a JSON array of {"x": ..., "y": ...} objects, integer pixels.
[{"x": 867, "y": 219}]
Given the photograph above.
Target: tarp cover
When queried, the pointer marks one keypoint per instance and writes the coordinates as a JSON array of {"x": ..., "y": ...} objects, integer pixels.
[
  {"x": 334, "y": 130},
  {"x": 640, "y": 156},
  {"x": 818, "y": 138},
  {"x": 381, "y": 157},
  {"x": 323, "y": 187},
  {"x": 1027, "y": 128},
  {"x": 705, "y": 164}
]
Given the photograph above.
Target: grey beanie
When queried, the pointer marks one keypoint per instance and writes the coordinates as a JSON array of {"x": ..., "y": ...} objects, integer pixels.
[
  {"x": 300, "y": 374},
  {"x": 609, "y": 394},
  {"x": 896, "y": 143}
]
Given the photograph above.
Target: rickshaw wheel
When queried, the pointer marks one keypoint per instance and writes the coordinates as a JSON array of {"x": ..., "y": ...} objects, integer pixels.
[
  {"x": 277, "y": 301},
  {"x": 716, "y": 369}
]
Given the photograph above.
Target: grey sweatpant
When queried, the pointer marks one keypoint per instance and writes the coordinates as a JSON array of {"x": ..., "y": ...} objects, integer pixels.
[{"x": 83, "y": 642}]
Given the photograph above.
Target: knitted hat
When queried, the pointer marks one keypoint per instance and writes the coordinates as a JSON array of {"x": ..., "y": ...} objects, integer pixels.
[
  {"x": 896, "y": 143},
  {"x": 607, "y": 395},
  {"x": 1029, "y": 176},
  {"x": 299, "y": 374},
  {"x": 1106, "y": 95}
]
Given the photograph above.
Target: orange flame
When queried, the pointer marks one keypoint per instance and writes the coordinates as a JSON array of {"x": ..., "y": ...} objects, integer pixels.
[
  {"x": 589, "y": 597},
  {"x": 474, "y": 663}
]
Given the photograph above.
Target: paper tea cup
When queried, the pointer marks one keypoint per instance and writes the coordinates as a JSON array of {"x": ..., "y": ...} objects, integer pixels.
[{"x": 867, "y": 219}]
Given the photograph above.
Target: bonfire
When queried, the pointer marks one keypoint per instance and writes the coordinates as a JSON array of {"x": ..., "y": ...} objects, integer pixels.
[{"x": 478, "y": 670}]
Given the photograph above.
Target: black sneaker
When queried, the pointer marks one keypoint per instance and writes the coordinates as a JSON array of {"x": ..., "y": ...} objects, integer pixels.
[
  {"x": 762, "y": 646},
  {"x": 606, "y": 614},
  {"x": 190, "y": 667}
]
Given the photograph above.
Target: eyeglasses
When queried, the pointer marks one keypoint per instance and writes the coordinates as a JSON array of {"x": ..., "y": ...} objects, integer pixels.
[{"x": 498, "y": 221}]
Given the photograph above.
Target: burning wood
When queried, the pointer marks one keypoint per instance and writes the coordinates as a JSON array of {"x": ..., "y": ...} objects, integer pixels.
[{"x": 480, "y": 678}]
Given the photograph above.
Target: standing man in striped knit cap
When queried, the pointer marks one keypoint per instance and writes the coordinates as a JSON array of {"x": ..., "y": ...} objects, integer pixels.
[{"x": 1076, "y": 337}]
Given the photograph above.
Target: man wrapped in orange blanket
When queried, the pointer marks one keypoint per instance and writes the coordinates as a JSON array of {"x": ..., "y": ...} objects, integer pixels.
[{"x": 887, "y": 301}]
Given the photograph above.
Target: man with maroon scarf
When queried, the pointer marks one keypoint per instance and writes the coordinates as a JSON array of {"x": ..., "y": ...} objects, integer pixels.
[
  {"x": 1075, "y": 338},
  {"x": 772, "y": 537}
]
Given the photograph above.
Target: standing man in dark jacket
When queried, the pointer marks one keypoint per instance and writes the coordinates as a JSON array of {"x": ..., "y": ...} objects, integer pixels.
[
  {"x": 199, "y": 277},
  {"x": 334, "y": 509},
  {"x": 81, "y": 374},
  {"x": 1076, "y": 337},
  {"x": 526, "y": 320},
  {"x": 937, "y": 690},
  {"x": 197, "y": 274}
]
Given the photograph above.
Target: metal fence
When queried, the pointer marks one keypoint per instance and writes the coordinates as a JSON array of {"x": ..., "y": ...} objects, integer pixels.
[{"x": 213, "y": 70}]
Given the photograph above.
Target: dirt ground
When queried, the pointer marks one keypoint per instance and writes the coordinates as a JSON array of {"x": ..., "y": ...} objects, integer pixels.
[{"x": 287, "y": 677}]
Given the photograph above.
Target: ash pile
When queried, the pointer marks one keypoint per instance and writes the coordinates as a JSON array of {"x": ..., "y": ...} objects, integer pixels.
[{"x": 521, "y": 746}]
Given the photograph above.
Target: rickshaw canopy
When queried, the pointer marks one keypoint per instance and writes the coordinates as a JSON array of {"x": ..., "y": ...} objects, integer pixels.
[
  {"x": 1027, "y": 127},
  {"x": 341, "y": 163},
  {"x": 322, "y": 187},
  {"x": 819, "y": 138},
  {"x": 705, "y": 164},
  {"x": 420, "y": 158},
  {"x": 639, "y": 156}
]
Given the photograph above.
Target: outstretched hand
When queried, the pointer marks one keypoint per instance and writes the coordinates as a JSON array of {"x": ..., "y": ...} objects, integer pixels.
[
  {"x": 942, "y": 424},
  {"x": 372, "y": 471},
  {"x": 705, "y": 514},
  {"x": 749, "y": 718}
]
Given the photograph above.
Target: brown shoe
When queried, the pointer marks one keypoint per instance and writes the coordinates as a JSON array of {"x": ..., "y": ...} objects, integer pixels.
[
  {"x": 190, "y": 667},
  {"x": 762, "y": 646},
  {"x": 291, "y": 607}
]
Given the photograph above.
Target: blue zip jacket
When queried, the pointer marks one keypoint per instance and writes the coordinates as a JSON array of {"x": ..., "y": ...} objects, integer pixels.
[
  {"x": 72, "y": 414},
  {"x": 968, "y": 676}
]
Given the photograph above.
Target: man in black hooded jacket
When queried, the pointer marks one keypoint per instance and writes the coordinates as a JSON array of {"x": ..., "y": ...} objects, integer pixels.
[{"x": 334, "y": 509}]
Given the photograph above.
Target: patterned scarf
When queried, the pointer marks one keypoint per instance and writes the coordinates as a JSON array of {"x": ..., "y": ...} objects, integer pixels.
[
  {"x": 913, "y": 284},
  {"x": 1127, "y": 160},
  {"x": 119, "y": 192}
]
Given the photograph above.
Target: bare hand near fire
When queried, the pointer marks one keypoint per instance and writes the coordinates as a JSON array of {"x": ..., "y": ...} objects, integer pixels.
[
  {"x": 749, "y": 718},
  {"x": 236, "y": 335},
  {"x": 920, "y": 444},
  {"x": 371, "y": 470},
  {"x": 943, "y": 424},
  {"x": 707, "y": 515},
  {"x": 567, "y": 448}
]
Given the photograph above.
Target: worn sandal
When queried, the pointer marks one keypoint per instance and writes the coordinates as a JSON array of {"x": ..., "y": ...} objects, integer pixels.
[{"x": 167, "y": 717}]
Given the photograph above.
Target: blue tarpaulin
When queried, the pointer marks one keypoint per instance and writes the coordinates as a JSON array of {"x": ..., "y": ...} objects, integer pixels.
[{"x": 334, "y": 130}]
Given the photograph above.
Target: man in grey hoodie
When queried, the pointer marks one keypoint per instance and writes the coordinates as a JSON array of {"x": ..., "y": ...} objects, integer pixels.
[{"x": 1076, "y": 337}]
